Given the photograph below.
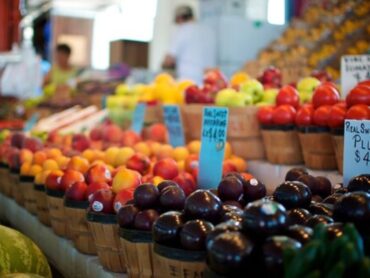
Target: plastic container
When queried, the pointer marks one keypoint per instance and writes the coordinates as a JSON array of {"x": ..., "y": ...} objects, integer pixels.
[
  {"x": 79, "y": 230},
  {"x": 174, "y": 262},
  {"x": 105, "y": 231}
]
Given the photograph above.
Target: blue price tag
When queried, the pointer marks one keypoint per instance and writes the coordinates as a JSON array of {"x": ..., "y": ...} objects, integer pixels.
[
  {"x": 214, "y": 133},
  {"x": 172, "y": 119},
  {"x": 356, "y": 154},
  {"x": 31, "y": 122},
  {"x": 138, "y": 118}
]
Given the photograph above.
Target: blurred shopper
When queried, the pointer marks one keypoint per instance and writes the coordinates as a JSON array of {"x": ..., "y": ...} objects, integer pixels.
[
  {"x": 62, "y": 71},
  {"x": 192, "y": 48}
]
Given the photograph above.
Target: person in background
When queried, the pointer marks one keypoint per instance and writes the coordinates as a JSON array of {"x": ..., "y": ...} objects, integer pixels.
[
  {"x": 62, "y": 71},
  {"x": 193, "y": 47}
]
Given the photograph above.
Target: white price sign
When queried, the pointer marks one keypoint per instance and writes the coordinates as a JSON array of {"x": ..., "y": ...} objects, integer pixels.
[{"x": 353, "y": 69}]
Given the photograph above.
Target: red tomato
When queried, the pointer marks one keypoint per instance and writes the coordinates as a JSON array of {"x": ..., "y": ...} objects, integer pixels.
[
  {"x": 325, "y": 94},
  {"x": 336, "y": 116},
  {"x": 321, "y": 115},
  {"x": 284, "y": 115},
  {"x": 365, "y": 82},
  {"x": 288, "y": 95},
  {"x": 342, "y": 104},
  {"x": 304, "y": 116},
  {"x": 358, "y": 112},
  {"x": 359, "y": 95},
  {"x": 264, "y": 115}
]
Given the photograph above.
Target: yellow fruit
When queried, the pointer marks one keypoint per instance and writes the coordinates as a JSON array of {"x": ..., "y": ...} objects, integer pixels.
[
  {"x": 25, "y": 169},
  {"x": 239, "y": 162},
  {"x": 194, "y": 146},
  {"x": 157, "y": 180},
  {"x": 35, "y": 169},
  {"x": 239, "y": 78},
  {"x": 50, "y": 164},
  {"x": 164, "y": 78},
  {"x": 228, "y": 150},
  {"x": 89, "y": 155},
  {"x": 142, "y": 148},
  {"x": 123, "y": 155},
  {"x": 180, "y": 153},
  {"x": 111, "y": 155},
  {"x": 62, "y": 161}
]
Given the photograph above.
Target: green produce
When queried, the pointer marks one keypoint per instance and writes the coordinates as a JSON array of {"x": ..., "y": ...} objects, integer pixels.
[{"x": 18, "y": 254}]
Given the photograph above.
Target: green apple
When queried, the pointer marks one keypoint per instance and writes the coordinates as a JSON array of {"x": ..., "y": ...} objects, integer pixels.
[
  {"x": 269, "y": 96},
  {"x": 223, "y": 97},
  {"x": 254, "y": 88},
  {"x": 308, "y": 84},
  {"x": 305, "y": 96},
  {"x": 122, "y": 89},
  {"x": 263, "y": 103},
  {"x": 236, "y": 100}
]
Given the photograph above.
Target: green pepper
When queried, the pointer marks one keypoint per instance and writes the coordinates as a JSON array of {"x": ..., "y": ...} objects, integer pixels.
[
  {"x": 337, "y": 271},
  {"x": 351, "y": 232}
]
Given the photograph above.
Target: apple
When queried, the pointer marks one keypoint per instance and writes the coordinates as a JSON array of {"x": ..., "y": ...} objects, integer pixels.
[
  {"x": 283, "y": 115},
  {"x": 288, "y": 95},
  {"x": 228, "y": 167},
  {"x": 139, "y": 162},
  {"x": 53, "y": 180},
  {"x": 207, "y": 94},
  {"x": 112, "y": 133},
  {"x": 187, "y": 182},
  {"x": 157, "y": 132},
  {"x": 166, "y": 168},
  {"x": 98, "y": 173},
  {"x": 96, "y": 133},
  {"x": 215, "y": 77},
  {"x": 308, "y": 85},
  {"x": 358, "y": 112},
  {"x": 70, "y": 177},
  {"x": 359, "y": 95},
  {"x": 95, "y": 186},
  {"x": 122, "y": 198},
  {"x": 271, "y": 75},
  {"x": 337, "y": 116},
  {"x": 192, "y": 94},
  {"x": 264, "y": 115},
  {"x": 32, "y": 144},
  {"x": 304, "y": 116},
  {"x": 269, "y": 95},
  {"x": 252, "y": 88},
  {"x": 223, "y": 96},
  {"x": 77, "y": 192},
  {"x": 102, "y": 201},
  {"x": 80, "y": 142},
  {"x": 325, "y": 94},
  {"x": 321, "y": 115},
  {"x": 130, "y": 138},
  {"x": 17, "y": 140},
  {"x": 321, "y": 75}
]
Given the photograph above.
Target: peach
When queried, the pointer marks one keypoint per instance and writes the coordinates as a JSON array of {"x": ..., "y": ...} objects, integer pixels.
[
  {"x": 181, "y": 165},
  {"x": 69, "y": 177},
  {"x": 35, "y": 169},
  {"x": 53, "y": 179},
  {"x": 50, "y": 164},
  {"x": 41, "y": 177},
  {"x": 157, "y": 180},
  {"x": 63, "y": 161},
  {"x": 98, "y": 173},
  {"x": 39, "y": 157},
  {"x": 96, "y": 133},
  {"x": 194, "y": 146},
  {"x": 123, "y": 155},
  {"x": 247, "y": 176},
  {"x": 130, "y": 138},
  {"x": 96, "y": 145},
  {"x": 180, "y": 153},
  {"x": 112, "y": 133},
  {"x": 93, "y": 187},
  {"x": 25, "y": 168},
  {"x": 139, "y": 162},
  {"x": 191, "y": 162},
  {"x": 228, "y": 166},
  {"x": 111, "y": 155},
  {"x": 53, "y": 153},
  {"x": 166, "y": 168},
  {"x": 228, "y": 151},
  {"x": 165, "y": 151},
  {"x": 80, "y": 142},
  {"x": 154, "y": 147},
  {"x": 125, "y": 179},
  {"x": 157, "y": 132},
  {"x": 89, "y": 155},
  {"x": 142, "y": 148},
  {"x": 99, "y": 155},
  {"x": 239, "y": 162},
  {"x": 26, "y": 156},
  {"x": 187, "y": 182},
  {"x": 78, "y": 163}
]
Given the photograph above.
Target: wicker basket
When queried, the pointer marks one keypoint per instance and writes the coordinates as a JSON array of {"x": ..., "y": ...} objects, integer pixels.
[
  {"x": 153, "y": 114},
  {"x": 282, "y": 146},
  {"x": 5, "y": 185},
  {"x": 318, "y": 150},
  {"x": 138, "y": 253},
  {"x": 16, "y": 188},
  {"x": 179, "y": 263},
  {"x": 192, "y": 120},
  {"x": 76, "y": 220},
  {"x": 29, "y": 196},
  {"x": 42, "y": 204},
  {"x": 104, "y": 229},
  {"x": 57, "y": 212},
  {"x": 338, "y": 144}
]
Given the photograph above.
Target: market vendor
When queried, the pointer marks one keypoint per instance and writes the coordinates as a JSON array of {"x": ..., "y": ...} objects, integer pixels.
[{"x": 192, "y": 48}]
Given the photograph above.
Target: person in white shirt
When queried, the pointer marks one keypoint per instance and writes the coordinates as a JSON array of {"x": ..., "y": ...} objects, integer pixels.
[{"x": 193, "y": 47}]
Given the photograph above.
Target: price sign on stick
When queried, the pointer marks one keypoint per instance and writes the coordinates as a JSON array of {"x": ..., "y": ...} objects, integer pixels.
[
  {"x": 353, "y": 69},
  {"x": 214, "y": 132},
  {"x": 356, "y": 155},
  {"x": 172, "y": 119},
  {"x": 138, "y": 118}
]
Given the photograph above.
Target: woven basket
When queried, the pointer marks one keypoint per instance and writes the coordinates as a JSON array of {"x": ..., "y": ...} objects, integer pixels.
[
  {"x": 318, "y": 150},
  {"x": 29, "y": 196},
  {"x": 338, "y": 144},
  {"x": 5, "y": 184},
  {"x": 192, "y": 120},
  {"x": 138, "y": 253},
  {"x": 76, "y": 221},
  {"x": 180, "y": 263},
  {"x": 104, "y": 229},
  {"x": 56, "y": 212},
  {"x": 153, "y": 114},
  {"x": 16, "y": 188},
  {"x": 42, "y": 204},
  {"x": 282, "y": 146}
]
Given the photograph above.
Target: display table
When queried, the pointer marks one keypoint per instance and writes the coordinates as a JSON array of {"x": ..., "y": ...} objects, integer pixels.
[
  {"x": 273, "y": 175},
  {"x": 59, "y": 251}
]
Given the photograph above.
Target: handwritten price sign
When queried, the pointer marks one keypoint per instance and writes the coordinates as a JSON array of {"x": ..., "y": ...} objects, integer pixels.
[
  {"x": 356, "y": 149},
  {"x": 172, "y": 119},
  {"x": 138, "y": 118},
  {"x": 214, "y": 133},
  {"x": 354, "y": 69}
]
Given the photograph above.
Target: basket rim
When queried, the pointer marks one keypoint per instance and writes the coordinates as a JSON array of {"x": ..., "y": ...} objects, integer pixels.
[
  {"x": 314, "y": 129},
  {"x": 278, "y": 127},
  {"x": 14, "y": 170},
  {"x": 179, "y": 254},
  {"x": 54, "y": 193},
  {"x": 103, "y": 218},
  {"x": 23, "y": 178},
  {"x": 39, "y": 187},
  {"x": 136, "y": 236},
  {"x": 76, "y": 204}
]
